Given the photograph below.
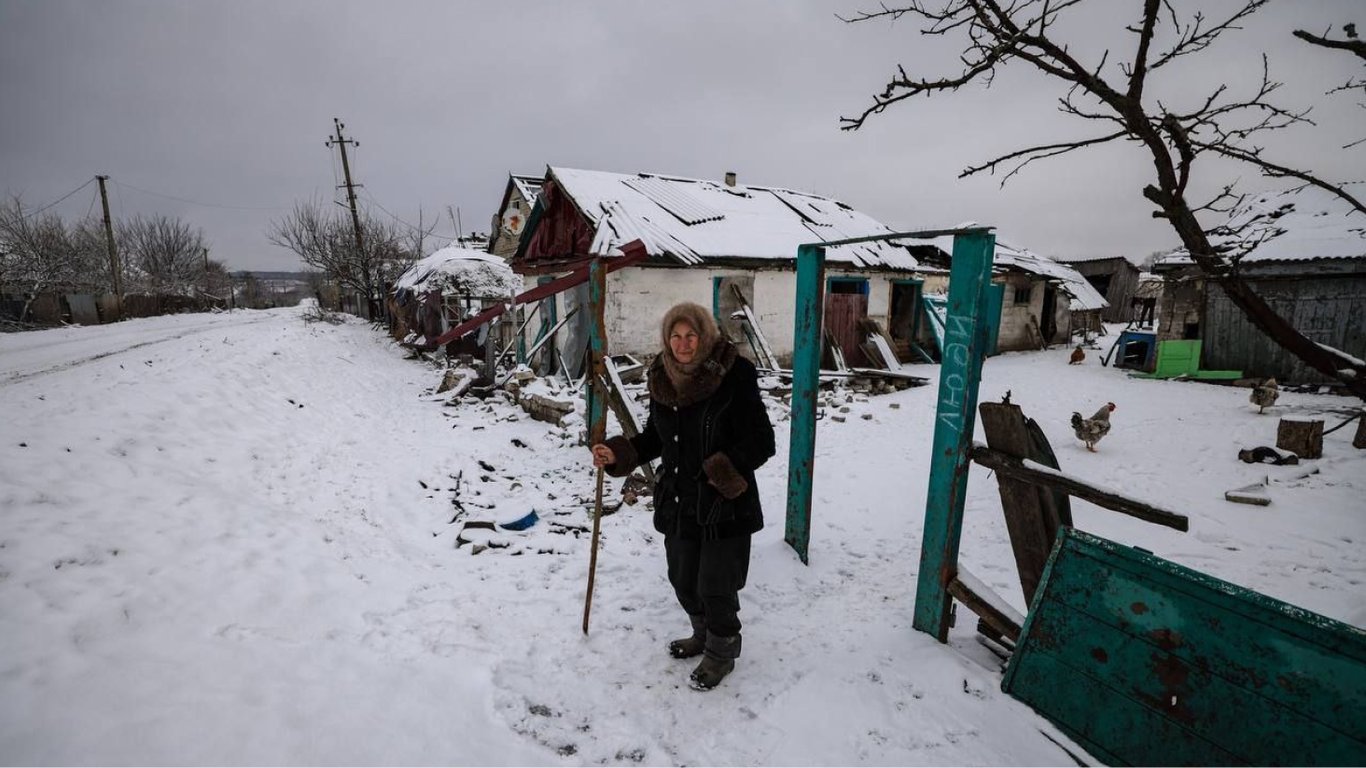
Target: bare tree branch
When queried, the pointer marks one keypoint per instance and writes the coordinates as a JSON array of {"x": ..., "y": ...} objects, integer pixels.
[
  {"x": 996, "y": 33},
  {"x": 1353, "y": 44}
]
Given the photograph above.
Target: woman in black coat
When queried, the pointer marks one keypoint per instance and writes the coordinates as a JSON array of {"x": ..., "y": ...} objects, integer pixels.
[{"x": 710, "y": 430}]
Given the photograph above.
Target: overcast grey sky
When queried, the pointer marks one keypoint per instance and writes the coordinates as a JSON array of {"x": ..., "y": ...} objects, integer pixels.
[{"x": 217, "y": 112}]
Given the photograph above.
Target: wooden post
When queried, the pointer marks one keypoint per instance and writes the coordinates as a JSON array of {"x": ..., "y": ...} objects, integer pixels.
[
  {"x": 1359, "y": 441},
  {"x": 597, "y": 412},
  {"x": 1303, "y": 438},
  {"x": 806, "y": 367},
  {"x": 965, "y": 341},
  {"x": 597, "y": 349}
]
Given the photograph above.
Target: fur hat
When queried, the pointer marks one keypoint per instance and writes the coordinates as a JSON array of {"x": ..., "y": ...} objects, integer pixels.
[{"x": 699, "y": 319}]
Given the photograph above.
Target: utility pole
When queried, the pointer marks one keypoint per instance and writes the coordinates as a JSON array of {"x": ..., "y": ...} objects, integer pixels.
[
  {"x": 109, "y": 243},
  {"x": 206, "y": 272},
  {"x": 341, "y": 142}
]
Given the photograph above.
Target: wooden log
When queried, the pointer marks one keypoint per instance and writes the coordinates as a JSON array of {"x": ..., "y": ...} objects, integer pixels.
[
  {"x": 1303, "y": 438},
  {"x": 1009, "y": 466},
  {"x": 1360, "y": 440}
]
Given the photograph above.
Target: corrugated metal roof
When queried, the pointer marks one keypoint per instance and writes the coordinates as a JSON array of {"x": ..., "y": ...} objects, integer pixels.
[
  {"x": 1083, "y": 296},
  {"x": 694, "y": 221},
  {"x": 1302, "y": 224},
  {"x": 674, "y": 198}
]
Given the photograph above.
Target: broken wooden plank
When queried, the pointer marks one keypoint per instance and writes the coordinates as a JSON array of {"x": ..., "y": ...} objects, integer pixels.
[
  {"x": 758, "y": 341},
  {"x": 1010, "y": 466},
  {"x": 1029, "y": 524},
  {"x": 633, "y": 252},
  {"x": 884, "y": 374},
  {"x": 981, "y": 600},
  {"x": 884, "y": 351},
  {"x": 616, "y": 400},
  {"x": 1249, "y": 494},
  {"x": 836, "y": 354}
]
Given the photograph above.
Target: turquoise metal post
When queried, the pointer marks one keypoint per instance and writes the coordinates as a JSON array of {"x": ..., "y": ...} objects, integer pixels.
[
  {"x": 806, "y": 370},
  {"x": 597, "y": 348},
  {"x": 960, "y": 373}
]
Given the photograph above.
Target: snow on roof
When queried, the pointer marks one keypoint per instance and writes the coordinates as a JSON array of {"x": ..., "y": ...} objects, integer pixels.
[
  {"x": 1087, "y": 258},
  {"x": 1302, "y": 224},
  {"x": 693, "y": 220},
  {"x": 1008, "y": 257},
  {"x": 460, "y": 271}
]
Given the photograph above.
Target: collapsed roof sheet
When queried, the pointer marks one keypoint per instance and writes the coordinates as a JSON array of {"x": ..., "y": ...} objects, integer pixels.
[{"x": 1083, "y": 296}]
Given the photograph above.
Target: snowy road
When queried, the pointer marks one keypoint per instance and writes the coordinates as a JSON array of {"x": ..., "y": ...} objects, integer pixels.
[{"x": 25, "y": 355}]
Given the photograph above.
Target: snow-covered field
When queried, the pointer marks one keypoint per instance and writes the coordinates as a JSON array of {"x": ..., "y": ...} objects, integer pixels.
[{"x": 225, "y": 539}]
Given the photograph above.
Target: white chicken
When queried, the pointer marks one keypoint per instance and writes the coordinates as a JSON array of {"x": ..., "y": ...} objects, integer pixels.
[{"x": 1091, "y": 430}]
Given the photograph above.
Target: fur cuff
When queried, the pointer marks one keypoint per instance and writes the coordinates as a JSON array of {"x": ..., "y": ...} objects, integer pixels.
[
  {"x": 625, "y": 454},
  {"x": 724, "y": 476}
]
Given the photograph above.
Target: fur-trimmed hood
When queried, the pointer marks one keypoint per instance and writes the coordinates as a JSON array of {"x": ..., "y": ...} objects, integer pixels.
[{"x": 697, "y": 387}]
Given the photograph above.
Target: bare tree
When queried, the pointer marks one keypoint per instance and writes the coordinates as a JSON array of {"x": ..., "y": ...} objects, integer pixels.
[
  {"x": 1114, "y": 96},
  {"x": 37, "y": 253},
  {"x": 165, "y": 255},
  {"x": 328, "y": 243},
  {"x": 217, "y": 283},
  {"x": 90, "y": 257},
  {"x": 1350, "y": 43}
]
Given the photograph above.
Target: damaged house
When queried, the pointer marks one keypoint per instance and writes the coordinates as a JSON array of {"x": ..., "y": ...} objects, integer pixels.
[
  {"x": 716, "y": 243},
  {"x": 519, "y": 197},
  {"x": 1304, "y": 252},
  {"x": 1034, "y": 301},
  {"x": 1114, "y": 277},
  {"x": 442, "y": 290}
]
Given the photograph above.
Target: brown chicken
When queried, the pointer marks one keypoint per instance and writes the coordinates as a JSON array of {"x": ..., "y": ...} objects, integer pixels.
[
  {"x": 1091, "y": 430},
  {"x": 1077, "y": 356},
  {"x": 1264, "y": 396}
]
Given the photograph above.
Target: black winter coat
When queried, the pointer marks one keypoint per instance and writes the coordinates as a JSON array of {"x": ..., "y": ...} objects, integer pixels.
[{"x": 708, "y": 452}]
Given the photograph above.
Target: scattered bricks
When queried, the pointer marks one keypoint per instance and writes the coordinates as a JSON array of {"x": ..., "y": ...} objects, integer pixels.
[{"x": 547, "y": 409}]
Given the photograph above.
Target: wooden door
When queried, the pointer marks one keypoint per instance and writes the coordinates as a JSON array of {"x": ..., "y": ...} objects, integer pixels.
[{"x": 842, "y": 313}]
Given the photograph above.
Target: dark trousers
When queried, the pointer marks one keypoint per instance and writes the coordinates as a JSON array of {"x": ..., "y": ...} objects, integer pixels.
[{"x": 707, "y": 577}]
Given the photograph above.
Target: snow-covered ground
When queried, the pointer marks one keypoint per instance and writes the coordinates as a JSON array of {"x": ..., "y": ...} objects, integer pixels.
[{"x": 225, "y": 539}]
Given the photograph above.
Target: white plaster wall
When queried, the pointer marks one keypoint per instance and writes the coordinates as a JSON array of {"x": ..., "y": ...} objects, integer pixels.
[{"x": 638, "y": 297}]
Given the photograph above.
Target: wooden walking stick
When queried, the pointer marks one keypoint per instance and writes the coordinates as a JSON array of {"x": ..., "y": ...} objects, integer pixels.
[
  {"x": 593, "y": 553},
  {"x": 597, "y": 407}
]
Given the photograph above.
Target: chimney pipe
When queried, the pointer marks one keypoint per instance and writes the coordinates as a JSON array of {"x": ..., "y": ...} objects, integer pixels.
[{"x": 730, "y": 178}]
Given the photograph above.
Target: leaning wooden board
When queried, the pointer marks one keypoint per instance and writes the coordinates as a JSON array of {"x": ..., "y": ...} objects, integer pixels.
[{"x": 1146, "y": 662}]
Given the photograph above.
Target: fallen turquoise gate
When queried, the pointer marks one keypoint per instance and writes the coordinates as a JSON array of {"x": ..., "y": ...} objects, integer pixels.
[{"x": 1144, "y": 662}]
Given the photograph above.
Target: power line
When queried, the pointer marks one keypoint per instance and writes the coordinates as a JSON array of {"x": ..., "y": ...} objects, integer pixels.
[
  {"x": 58, "y": 200},
  {"x": 196, "y": 202},
  {"x": 419, "y": 230}
]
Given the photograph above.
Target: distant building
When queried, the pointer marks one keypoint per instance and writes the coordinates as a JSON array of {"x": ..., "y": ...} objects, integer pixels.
[
  {"x": 1115, "y": 278},
  {"x": 1304, "y": 252},
  {"x": 509, "y": 221}
]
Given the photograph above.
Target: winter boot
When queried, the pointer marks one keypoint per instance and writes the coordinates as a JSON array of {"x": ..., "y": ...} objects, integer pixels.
[
  {"x": 688, "y": 647},
  {"x": 717, "y": 661}
]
